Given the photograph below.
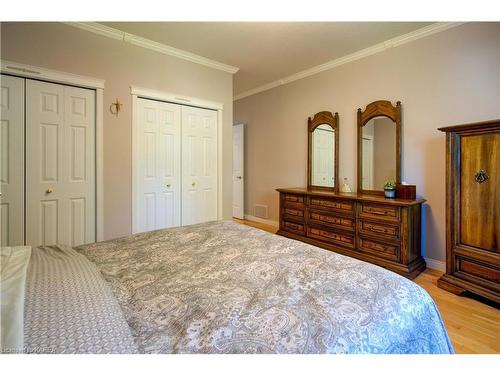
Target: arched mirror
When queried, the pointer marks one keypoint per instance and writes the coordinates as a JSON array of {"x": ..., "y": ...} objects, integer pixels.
[
  {"x": 379, "y": 146},
  {"x": 323, "y": 151}
]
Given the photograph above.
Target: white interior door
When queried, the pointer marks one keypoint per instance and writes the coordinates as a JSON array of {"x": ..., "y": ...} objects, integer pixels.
[
  {"x": 60, "y": 164},
  {"x": 12, "y": 163},
  {"x": 367, "y": 177},
  {"x": 199, "y": 165},
  {"x": 238, "y": 169},
  {"x": 158, "y": 179}
]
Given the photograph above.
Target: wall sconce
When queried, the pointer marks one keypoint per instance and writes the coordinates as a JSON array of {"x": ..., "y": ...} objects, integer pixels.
[{"x": 115, "y": 107}]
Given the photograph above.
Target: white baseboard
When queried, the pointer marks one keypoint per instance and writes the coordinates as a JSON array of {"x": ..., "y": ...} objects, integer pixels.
[
  {"x": 434, "y": 264},
  {"x": 263, "y": 221}
]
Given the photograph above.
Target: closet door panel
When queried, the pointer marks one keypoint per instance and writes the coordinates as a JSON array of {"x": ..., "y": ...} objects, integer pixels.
[
  {"x": 157, "y": 185},
  {"x": 199, "y": 155},
  {"x": 12, "y": 160},
  {"x": 79, "y": 143},
  {"x": 60, "y": 164}
]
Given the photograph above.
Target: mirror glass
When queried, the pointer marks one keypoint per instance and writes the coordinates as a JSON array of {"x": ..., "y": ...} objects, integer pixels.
[
  {"x": 323, "y": 156},
  {"x": 378, "y": 147}
]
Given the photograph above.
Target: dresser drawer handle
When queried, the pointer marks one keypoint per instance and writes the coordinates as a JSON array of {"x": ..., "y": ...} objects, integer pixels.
[
  {"x": 378, "y": 212},
  {"x": 377, "y": 230}
]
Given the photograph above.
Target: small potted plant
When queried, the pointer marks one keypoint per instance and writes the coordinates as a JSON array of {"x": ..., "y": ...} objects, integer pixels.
[{"x": 390, "y": 189}]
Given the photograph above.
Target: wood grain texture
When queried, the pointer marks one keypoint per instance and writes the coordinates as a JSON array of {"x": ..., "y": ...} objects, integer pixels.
[
  {"x": 473, "y": 326},
  {"x": 375, "y": 109},
  {"x": 480, "y": 202},
  {"x": 473, "y": 209},
  {"x": 324, "y": 117}
]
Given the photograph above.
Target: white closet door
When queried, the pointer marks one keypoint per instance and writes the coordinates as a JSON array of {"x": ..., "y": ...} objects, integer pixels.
[
  {"x": 158, "y": 187},
  {"x": 199, "y": 165},
  {"x": 60, "y": 164},
  {"x": 12, "y": 162}
]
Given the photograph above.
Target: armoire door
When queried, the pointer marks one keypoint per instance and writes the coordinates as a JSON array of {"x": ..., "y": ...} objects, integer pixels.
[
  {"x": 199, "y": 165},
  {"x": 479, "y": 191},
  {"x": 158, "y": 177},
  {"x": 60, "y": 164},
  {"x": 12, "y": 163}
]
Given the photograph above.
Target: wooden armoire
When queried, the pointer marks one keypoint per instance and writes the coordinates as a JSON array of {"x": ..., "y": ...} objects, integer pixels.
[{"x": 473, "y": 209}]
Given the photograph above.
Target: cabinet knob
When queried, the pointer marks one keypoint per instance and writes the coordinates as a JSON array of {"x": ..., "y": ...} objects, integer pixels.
[
  {"x": 168, "y": 185},
  {"x": 49, "y": 190},
  {"x": 193, "y": 184}
]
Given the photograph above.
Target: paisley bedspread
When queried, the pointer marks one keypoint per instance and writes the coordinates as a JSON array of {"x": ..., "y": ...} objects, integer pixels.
[{"x": 223, "y": 287}]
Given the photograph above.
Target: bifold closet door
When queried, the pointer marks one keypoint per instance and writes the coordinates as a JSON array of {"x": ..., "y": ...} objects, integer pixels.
[
  {"x": 12, "y": 163},
  {"x": 199, "y": 165},
  {"x": 158, "y": 157},
  {"x": 60, "y": 164}
]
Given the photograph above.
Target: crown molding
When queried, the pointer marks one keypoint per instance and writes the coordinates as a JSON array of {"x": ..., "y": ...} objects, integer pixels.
[
  {"x": 116, "y": 34},
  {"x": 29, "y": 71},
  {"x": 379, "y": 47}
]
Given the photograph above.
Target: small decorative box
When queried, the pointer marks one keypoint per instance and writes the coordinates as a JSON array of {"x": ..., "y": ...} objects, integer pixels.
[{"x": 406, "y": 191}]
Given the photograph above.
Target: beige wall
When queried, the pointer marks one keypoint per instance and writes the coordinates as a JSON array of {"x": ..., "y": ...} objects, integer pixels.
[
  {"x": 60, "y": 47},
  {"x": 448, "y": 78}
]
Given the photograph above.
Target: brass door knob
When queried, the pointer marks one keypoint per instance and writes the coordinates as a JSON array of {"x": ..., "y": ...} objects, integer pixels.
[{"x": 49, "y": 190}]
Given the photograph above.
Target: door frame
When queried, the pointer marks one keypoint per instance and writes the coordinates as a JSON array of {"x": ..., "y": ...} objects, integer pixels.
[
  {"x": 164, "y": 96},
  {"x": 242, "y": 169},
  {"x": 53, "y": 76}
]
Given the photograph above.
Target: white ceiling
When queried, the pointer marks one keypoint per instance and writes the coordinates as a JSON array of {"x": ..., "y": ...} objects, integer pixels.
[{"x": 268, "y": 51}]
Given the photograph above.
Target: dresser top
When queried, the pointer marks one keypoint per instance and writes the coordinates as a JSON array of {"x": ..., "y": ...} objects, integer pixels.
[{"x": 352, "y": 196}]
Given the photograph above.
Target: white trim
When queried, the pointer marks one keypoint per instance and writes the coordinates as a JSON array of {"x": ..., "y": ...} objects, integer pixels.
[
  {"x": 138, "y": 92},
  {"x": 28, "y": 71},
  {"x": 99, "y": 163},
  {"x": 380, "y": 47},
  {"x": 263, "y": 221},
  {"x": 174, "y": 98},
  {"x": 116, "y": 34},
  {"x": 219, "y": 165},
  {"x": 434, "y": 264}
]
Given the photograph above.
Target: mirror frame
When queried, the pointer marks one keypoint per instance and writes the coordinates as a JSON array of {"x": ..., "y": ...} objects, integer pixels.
[
  {"x": 379, "y": 108},
  {"x": 320, "y": 118}
]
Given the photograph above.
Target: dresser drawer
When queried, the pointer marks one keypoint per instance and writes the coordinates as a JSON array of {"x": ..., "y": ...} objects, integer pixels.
[
  {"x": 293, "y": 198},
  {"x": 338, "y": 205},
  {"x": 290, "y": 213},
  {"x": 378, "y": 248},
  {"x": 472, "y": 269},
  {"x": 331, "y": 220},
  {"x": 331, "y": 236},
  {"x": 379, "y": 212},
  {"x": 381, "y": 229},
  {"x": 292, "y": 227}
]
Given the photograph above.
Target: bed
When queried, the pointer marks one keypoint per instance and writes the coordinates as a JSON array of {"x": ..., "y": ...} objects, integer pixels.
[{"x": 217, "y": 287}]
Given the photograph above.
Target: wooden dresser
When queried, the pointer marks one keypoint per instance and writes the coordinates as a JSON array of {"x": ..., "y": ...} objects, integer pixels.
[
  {"x": 382, "y": 231},
  {"x": 473, "y": 209}
]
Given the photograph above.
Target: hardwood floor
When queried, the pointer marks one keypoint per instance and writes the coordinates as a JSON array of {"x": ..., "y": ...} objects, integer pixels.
[{"x": 473, "y": 326}]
